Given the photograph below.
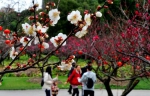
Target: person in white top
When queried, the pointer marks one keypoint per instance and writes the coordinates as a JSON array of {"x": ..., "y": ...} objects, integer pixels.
[
  {"x": 84, "y": 78},
  {"x": 48, "y": 81}
]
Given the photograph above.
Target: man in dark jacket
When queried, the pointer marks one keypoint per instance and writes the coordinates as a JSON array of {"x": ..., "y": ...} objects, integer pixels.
[
  {"x": 84, "y": 69},
  {"x": 72, "y": 68}
]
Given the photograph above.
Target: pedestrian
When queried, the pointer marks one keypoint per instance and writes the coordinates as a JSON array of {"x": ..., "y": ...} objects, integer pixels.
[
  {"x": 54, "y": 88},
  {"x": 84, "y": 69},
  {"x": 72, "y": 68},
  {"x": 48, "y": 81},
  {"x": 84, "y": 78},
  {"x": 73, "y": 80}
]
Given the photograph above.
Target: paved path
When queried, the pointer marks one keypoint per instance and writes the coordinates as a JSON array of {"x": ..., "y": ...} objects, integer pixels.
[{"x": 63, "y": 92}]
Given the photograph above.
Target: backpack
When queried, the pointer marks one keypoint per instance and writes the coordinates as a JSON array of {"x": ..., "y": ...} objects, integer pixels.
[
  {"x": 42, "y": 82},
  {"x": 89, "y": 83}
]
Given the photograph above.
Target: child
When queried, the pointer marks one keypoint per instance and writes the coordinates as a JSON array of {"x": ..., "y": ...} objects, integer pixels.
[{"x": 55, "y": 89}]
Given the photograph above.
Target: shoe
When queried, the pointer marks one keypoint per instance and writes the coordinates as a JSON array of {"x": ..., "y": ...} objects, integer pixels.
[{"x": 69, "y": 92}]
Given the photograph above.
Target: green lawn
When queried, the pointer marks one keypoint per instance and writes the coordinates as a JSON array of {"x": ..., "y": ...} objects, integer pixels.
[
  {"x": 22, "y": 83},
  {"x": 15, "y": 83},
  {"x": 144, "y": 84}
]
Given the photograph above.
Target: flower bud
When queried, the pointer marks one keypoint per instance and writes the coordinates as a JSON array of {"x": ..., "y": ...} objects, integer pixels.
[
  {"x": 36, "y": 5},
  {"x": 109, "y": 1},
  {"x": 52, "y": 4},
  {"x": 105, "y": 6},
  {"x": 47, "y": 7},
  {"x": 42, "y": 13},
  {"x": 98, "y": 14},
  {"x": 31, "y": 9},
  {"x": 46, "y": 36},
  {"x": 98, "y": 7},
  {"x": 86, "y": 11}
]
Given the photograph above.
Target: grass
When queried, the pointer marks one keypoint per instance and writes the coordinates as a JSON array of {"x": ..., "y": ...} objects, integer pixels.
[
  {"x": 18, "y": 83},
  {"x": 144, "y": 84},
  {"x": 22, "y": 83}
]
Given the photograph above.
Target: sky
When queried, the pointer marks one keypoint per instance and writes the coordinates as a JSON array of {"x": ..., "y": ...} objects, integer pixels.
[{"x": 19, "y": 5}]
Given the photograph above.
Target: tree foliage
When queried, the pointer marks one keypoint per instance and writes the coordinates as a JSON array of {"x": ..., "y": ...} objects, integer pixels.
[{"x": 113, "y": 43}]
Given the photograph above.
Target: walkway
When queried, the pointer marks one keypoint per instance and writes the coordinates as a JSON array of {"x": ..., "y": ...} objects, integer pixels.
[{"x": 63, "y": 92}]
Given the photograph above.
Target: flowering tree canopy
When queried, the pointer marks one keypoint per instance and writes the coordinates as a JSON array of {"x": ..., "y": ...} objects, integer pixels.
[{"x": 122, "y": 43}]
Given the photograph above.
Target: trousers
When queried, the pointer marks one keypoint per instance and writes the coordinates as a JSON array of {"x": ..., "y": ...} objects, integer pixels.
[
  {"x": 75, "y": 91},
  {"x": 88, "y": 92},
  {"x": 48, "y": 92}
]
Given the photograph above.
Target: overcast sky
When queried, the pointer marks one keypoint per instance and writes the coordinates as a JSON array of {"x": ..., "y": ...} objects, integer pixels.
[{"x": 23, "y": 4}]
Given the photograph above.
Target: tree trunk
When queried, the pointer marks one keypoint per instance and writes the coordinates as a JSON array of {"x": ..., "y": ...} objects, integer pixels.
[
  {"x": 130, "y": 87},
  {"x": 107, "y": 86}
]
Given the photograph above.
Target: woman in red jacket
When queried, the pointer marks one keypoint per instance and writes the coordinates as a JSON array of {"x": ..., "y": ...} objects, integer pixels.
[{"x": 73, "y": 79}]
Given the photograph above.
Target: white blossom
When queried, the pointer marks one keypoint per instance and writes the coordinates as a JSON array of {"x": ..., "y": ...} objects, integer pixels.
[
  {"x": 36, "y": 40},
  {"x": 45, "y": 45},
  {"x": 25, "y": 40},
  {"x": 66, "y": 66},
  {"x": 98, "y": 14},
  {"x": 13, "y": 53},
  {"x": 74, "y": 17},
  {"x": 87, "y": 19},
  {"x": 54, "y": 16},
  {"x": 81, "y": 33},
  {"x": 57, "y": 40},
  {"x": 29, "y": 30},
  {"x": 42, "y": 29}
]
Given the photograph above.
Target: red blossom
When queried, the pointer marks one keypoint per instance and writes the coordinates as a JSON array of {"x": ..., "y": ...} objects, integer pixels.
[
  {"x": 80, "y": 52},
  {"x": 6, "y": 31},
  {"x": 136, "y": 12},
  {"x": 7, "y": 41},
  {"x": 148, "y": 1},
  {"x": 105, "y": 62},
  {"x": 40, "y": 46},
  {"x": 119, "y": 63},
  {"x": 148, "y": 57},
  {"x": 95, "y": 38},
  {"x": 137, "y": 5},
  {"x": 8, "y": 67},
  {"x": 138, "y": 67},
  {"x": 21, "y": 48},
  {"x": 34, "y": 55},
  {"x": 1, "y": 28}
]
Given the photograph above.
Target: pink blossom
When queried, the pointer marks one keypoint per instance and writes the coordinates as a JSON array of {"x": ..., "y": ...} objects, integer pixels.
[
  {"x": 148, "y": 1},
  {"x": 95, "y": 38}
]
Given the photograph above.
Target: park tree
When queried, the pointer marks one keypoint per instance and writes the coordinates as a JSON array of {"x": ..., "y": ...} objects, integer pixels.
[
  {"x": 120, "y": 47},
  {"x": 116, "y": 45},
  {"x": 119, "y": 44}
]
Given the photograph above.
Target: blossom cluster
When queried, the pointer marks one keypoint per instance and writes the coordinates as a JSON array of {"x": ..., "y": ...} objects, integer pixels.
[
  {"x": 75, "y": 18},
  {"x": 36, "y": 33},
  {"x": 67, "y": 64}
]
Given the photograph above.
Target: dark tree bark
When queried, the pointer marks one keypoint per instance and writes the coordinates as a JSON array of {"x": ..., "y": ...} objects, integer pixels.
[{"x": 107, "y": 86}]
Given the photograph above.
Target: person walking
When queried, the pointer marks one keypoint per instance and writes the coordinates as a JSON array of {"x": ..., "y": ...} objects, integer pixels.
[
  {"x": 55, "y": 88},
  {"x": 84, "y": 69},
  {"x": 48, "y": 81},
  {"x": 84, "y": 79},
  {"x": 73, "y": 80},
  {"x": 72, "y": 68}
]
